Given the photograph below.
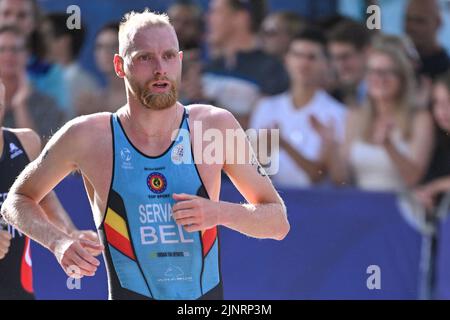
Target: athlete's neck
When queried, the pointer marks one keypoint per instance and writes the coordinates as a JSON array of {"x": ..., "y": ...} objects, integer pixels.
[{"x": 151, "y": 124}]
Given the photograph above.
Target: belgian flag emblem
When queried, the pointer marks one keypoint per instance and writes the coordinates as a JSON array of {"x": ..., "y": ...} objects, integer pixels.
[{"x": 115, "y": 225}]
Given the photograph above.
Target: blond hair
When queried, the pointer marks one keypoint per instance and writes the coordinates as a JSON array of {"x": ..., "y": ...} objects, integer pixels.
[{"x": 133, "y": 21}]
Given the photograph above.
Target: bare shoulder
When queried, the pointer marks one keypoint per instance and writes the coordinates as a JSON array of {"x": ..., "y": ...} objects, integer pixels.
[
  {"x": 89, "y": 128},
  {"x": 211, "y": 116},
  {"x": 95, "y": 121},
  {"x": 81, "y": 137},
  {"x": 30, "y": 141}
]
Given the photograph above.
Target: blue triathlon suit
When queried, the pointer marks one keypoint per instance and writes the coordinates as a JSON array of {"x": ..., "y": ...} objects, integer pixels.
[{"x": 147, "y": 255}]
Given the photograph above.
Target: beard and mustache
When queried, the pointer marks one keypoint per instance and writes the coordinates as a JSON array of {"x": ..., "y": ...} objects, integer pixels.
[{"x": 154, "y": 101}]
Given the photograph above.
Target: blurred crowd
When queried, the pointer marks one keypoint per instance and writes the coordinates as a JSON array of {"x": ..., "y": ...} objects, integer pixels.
[{"x": 354, "y": 106}]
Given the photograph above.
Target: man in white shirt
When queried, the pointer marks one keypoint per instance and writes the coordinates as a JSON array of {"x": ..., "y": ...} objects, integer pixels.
[{"x": 302, "y": 113}]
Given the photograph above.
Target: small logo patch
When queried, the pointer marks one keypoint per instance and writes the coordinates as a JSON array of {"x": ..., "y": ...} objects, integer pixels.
[
  {"x": 178, "y": 154},
  {"x": 156, "y": 182},
  {"x": 14, "y": 151},
  {"x": 125, "y": 154}
]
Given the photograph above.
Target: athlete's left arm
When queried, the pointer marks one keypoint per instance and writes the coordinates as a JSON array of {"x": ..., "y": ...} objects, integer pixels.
[
  {"x": 50, "y": 203},
  {"x": 264, "y": 216}
]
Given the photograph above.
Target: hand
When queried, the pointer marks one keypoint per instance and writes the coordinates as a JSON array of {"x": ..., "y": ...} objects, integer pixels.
[
  {"x": 5, "y": 242},
  {"x": 20, "y": 98},
  {"x": 383, "y": 131},
  {"x": 326, "y": 132},
  {"x": 283, "y": 143},
  {"x": 90, "y": 236},
  {"x": 286, "y": 145},
  {"x": 195, "y": 213},
  {"x": 75, "y": 258},
  {"x": 425, "y": 196}
]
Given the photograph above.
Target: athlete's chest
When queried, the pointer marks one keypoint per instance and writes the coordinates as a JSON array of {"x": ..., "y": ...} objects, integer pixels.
[{"x": 122, "y": 164}]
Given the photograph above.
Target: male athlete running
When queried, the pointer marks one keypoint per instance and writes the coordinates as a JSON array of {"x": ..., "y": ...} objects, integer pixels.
[{"x": 156, "y": 209}]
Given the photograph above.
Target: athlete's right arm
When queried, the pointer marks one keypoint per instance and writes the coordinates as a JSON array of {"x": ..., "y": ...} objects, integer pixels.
[{"x": 21, "y": 208}]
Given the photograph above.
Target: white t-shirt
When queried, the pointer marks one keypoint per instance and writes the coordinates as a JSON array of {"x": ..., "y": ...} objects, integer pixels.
[{"x": 295, "y": 128}]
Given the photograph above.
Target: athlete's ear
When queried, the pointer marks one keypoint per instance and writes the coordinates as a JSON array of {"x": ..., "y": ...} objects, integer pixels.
[
  {"x": 181, "y": 55},
  {"x": 119, "y": 66}
]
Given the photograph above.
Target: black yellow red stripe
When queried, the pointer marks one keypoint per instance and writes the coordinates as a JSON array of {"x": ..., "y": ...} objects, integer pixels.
[{"x": 117, "y": 233}]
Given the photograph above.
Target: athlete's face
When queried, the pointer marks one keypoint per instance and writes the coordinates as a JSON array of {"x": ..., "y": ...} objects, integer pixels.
[{"x": 153, "y": 67}]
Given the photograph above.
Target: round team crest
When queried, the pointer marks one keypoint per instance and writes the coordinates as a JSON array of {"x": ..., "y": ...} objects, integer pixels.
[{"x": 157, "y": 182}]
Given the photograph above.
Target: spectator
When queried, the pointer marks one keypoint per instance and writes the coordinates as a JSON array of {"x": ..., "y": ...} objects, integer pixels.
[
  {"x": 113, "y": 95},
  {"x": 278, "y": 30},
  {"x": 438, "y": 176},
  {"x": 46, "y": 78},
  {"x": 191, "y": 88},
  {"x": 64, "y": 46},
  {"x": 348, "y": 44},
  {"x": 403, "y": 43},
  {"x": 389, "y": 141},
  {"x": 422, "y": 23},
  {"x": 300, "y": 111},
  {"x": 25, "y": 107},
  {"x": 186, "y": 18},
  {"x": 423, "y": 83},
  {"x": 244, "y": 72}
]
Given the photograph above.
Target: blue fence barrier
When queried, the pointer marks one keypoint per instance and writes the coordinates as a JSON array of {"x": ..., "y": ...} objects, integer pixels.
[{"x": 336, "y": 235}]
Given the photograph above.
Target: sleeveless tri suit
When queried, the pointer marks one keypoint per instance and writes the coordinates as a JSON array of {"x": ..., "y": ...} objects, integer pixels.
[{"x": 147, "y": 255}]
